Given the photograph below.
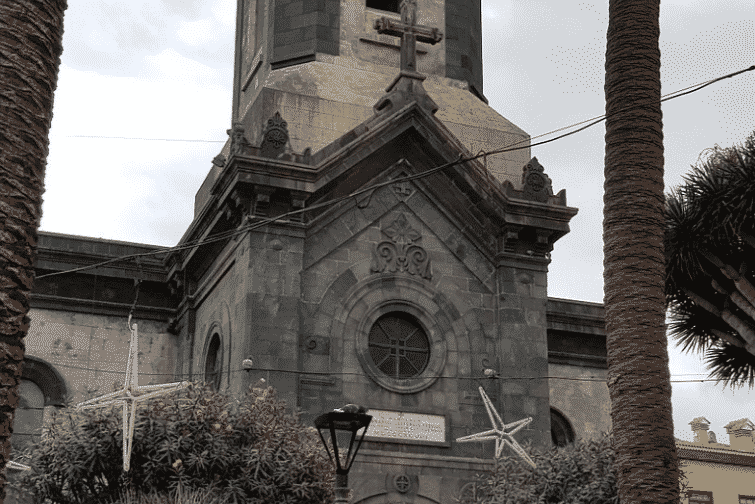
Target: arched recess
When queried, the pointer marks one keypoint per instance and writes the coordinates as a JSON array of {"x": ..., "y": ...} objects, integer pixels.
[
  {"x": 213, "y": 358},
  {"x": 562, "y": 432},
  {"x": 47, "y": 378},
  {"x": 387, "y": 498},
  {"x": 41, "y": 389}
]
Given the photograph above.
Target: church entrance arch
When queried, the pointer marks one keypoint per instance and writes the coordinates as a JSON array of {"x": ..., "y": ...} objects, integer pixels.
[{"x": 387, "y": 498}]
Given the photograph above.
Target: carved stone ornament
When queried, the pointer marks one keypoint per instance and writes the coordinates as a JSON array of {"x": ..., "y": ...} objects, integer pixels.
[
  {"x": 402, "y": 189},
  {"x": 274, "y": 136},
  {"x": 537, "y": 185},
  {"x": 402, "y": 483},
  {"x": 238, "y": 139},
  {"x": 219, "y": 160},
  {"x": 401, "y": 253}
]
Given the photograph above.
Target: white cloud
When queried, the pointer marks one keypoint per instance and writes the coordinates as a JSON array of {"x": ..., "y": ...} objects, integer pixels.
[
  {"x": 132, "y": 190},
  {"x": 225, "y": 12},
  {"x": 198, "y": 33},
  {"x": 171, "y": 65}
]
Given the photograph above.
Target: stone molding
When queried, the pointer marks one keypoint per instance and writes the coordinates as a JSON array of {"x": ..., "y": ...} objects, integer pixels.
[{"x": 361, "y": 307}]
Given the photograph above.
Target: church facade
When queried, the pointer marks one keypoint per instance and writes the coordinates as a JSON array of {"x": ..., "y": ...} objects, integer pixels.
[{"x": 347, "y": 248}]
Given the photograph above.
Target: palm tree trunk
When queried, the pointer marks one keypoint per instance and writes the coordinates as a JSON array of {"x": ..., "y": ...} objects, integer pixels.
[
  {"x": 31, "y": 33},
  {"x": 633, "y": 229}
]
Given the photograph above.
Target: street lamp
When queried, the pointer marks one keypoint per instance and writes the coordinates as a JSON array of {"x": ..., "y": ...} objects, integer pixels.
[{"x": 343, "y": 424}]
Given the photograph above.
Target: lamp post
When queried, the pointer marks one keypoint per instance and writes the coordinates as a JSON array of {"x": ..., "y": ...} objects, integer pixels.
[{"x": 343, "y": 424}]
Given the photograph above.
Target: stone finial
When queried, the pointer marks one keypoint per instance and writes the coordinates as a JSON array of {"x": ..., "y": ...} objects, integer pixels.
[
  {"x": 741, "y": 434},
  {"x": 219, "y": 160},
  {"x": 274, "y": 137},
  {"x": 238, "y": 139},
  {"x": 536, "y": 184}
]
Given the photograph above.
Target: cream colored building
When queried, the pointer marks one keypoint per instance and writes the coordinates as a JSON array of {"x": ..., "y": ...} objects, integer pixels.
[{"x": 719, "y": 473}]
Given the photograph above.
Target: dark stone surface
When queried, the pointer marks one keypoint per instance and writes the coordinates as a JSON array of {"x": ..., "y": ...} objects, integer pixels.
[{"x": 317, "y": 30}]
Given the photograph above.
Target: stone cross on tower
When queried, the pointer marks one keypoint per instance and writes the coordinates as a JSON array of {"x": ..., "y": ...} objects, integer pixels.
[
  {"x": 410, "y": 32},
  {"x": 407, "y": 86}
]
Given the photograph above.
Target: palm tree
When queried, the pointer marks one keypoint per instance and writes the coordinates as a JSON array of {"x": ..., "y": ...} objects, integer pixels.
[
  {"x": 31, "y": 33},
  {"x": 633, "y": 229},
  {"x": 710, "y": 245}
]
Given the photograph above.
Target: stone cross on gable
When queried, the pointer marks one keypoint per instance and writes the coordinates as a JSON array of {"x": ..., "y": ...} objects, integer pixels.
[{"x": 410, "y": 32}]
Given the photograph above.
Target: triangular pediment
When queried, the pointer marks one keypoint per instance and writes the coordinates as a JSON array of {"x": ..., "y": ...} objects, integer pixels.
[
  {"x": 402, "y": 232},
  {"x": 467, "y": 189}
]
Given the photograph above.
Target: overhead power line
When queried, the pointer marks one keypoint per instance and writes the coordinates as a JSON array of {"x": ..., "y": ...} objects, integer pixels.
[
  {"x": 173, "y": 376},
  {"x": 512, "y": 147},
  {"x": 140, "y": 138}
]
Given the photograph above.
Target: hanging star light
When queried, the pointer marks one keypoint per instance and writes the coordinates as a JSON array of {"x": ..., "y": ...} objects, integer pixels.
[
  {"x": 127, "y": 396},
  {"x": 500, "y": 432},
  {"x": 12, "y": 464}
]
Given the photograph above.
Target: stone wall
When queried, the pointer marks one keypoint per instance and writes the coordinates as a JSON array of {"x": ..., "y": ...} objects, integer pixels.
[
  {"x": 90, "y": 351},
  {"x": 582, "y": 397}
]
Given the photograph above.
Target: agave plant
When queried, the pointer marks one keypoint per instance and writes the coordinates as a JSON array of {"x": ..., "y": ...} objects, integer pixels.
[{"x": 710, "y": 254}]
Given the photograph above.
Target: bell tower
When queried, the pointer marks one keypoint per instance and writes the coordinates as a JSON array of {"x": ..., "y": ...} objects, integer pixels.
[{"x": 323, "y": 65}]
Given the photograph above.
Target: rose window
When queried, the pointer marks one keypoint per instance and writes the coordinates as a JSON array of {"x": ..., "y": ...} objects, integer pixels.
[{"x": 399, "y": 346}]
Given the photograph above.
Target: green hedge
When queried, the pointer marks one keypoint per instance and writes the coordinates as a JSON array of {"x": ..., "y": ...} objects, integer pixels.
[{"x": 250, "y": 451}]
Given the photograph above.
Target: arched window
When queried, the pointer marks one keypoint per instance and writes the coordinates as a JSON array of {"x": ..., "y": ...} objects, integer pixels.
[
  {"x": 561, "y": 430},
  {"x": 398, "y": 345},
  {"x": 41, "y": 389},
  {"x": 29, "y": 417},
  {"x": 213, "y": 363}
]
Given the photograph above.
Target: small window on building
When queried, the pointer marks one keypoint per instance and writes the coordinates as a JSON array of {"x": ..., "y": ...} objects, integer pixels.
[
  {"x": 561, "y": 431},
  {"x": 213, "y": 364},
  {"x": 399, "y": 346},
  {"x": 385, "y": 5},
  {"x": 747, "y": 499}
]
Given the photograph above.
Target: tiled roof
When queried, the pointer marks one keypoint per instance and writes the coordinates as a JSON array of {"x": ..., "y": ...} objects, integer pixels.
[
  {"x": 700, "y": 420},
  {"x": 742, "y": 423},
  {"x": 714, "y": 452}
]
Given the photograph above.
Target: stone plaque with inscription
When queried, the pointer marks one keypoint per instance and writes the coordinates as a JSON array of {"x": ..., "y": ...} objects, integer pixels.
[{"x": 399, "y": 425}]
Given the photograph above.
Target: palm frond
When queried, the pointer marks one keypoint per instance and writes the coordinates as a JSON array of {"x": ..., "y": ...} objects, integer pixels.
[
  {"x": 731, "y": 366},
  {"x": 708, "y": 214}
]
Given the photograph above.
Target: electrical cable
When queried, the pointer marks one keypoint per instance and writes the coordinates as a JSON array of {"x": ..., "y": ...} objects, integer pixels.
[
  {"x": 316, "y": 373},
  {"x": 482, "y": 153}
]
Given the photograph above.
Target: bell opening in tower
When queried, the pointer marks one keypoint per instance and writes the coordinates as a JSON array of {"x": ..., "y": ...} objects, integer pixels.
[{"x": 385, "y": 5}]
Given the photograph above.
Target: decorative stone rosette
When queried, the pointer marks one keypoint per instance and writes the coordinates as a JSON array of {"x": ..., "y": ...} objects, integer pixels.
[
  {"x": 274, "y": 136},
  {"x": 536, "y": 184}
]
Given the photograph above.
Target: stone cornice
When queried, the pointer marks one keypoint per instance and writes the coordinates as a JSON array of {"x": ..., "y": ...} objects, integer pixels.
[
  {"x": 573, "y": 359},
  {"x": 98, "y": 307},
  {"x": 60, "y": 252}
]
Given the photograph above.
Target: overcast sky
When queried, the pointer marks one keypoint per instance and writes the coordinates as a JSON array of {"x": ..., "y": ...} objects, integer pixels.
[{"x": 163, "y": 70}]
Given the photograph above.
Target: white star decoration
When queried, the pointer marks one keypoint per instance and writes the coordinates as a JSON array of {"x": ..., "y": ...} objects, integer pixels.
[
  {"x": 126, "y": 395},
  {"x": 500, "y": 432},
  {"x": 12, "y": 464}
]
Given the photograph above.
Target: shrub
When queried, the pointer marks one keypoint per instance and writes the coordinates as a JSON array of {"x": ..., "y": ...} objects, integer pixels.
[
  {"x": 251, "y": 451},
  {"x": 579, "y": 473}
]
